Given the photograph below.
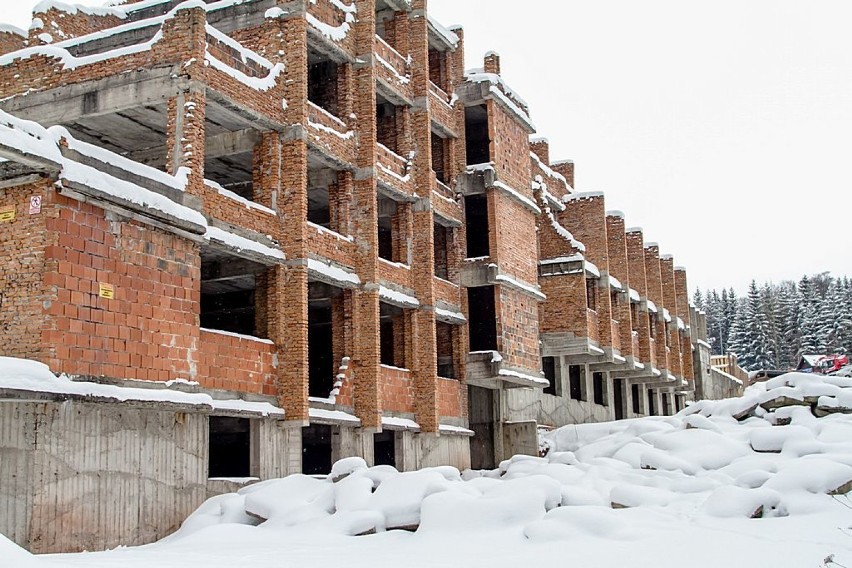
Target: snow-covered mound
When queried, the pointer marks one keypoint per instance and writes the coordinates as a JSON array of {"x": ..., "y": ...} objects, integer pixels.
[{"x": 758, "y": 480}]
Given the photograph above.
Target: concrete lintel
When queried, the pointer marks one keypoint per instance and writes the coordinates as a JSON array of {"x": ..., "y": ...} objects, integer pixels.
[
  {"x": 220, "y": 145},
  {"x": 246, "y": 234},
  {"x": 330, "y": 48},
  {"x": 393, "y": 95},
  {"x": 248, "y": 116},
  {"x": 441, "y": 129},
  {"x": 68, "y": 103}
]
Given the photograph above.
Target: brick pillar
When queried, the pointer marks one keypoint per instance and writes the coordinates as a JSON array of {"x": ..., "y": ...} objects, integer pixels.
[
  {"x": 266, "y": 170},
  {"x": 541, "y": 148},
  {"x": 366, "y": 349},
  {"x": 457, "y": 148},
  {"x": 291, "y": 290},
  {"x": 636, "y": 271},
  {"x": 425, "y": 369},
  {"x": 617, "y": 252},
  {"x": 682, "y": 290},
  {"x": 655, "y": 294},
  {"x": 185, "y": 139},
  {"x": 670, "y": 302},
  {"x": 566, "y": 168},
  {"x": 585, "y": 217}
]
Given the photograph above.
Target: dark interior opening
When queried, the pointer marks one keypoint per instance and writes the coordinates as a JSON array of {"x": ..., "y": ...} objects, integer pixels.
[
  {"x": 483, "y": 318},
  {"x": 445, "y": 351},
  {"x": 441, "y": 242},
  {"x": 476, "y": 226},
  {"x": 634, "y": 317},
  {"x": 652, "y": 407},
  {"x": 599, "y": 389},
  {"x": 634, "y": 395},
  {"x": 478, "y": 144},
  {"x": 320, "y": 357},
  {"x": 438, "y": 69},
  {"x": 319, "y": 212},
  {"x": 548, "y": 366},
  {"x": 389, "y": 125},
  {"x": 439, "y": 157},
  {"x": 229, "y": 311},
  {"x": 391, "y": 335},
  {"x": 618, "y": 398},
  {"x": 230, "y": 292},
  {"x": 575, "y": 381},
  {"x": 666, "y": 409},
  {"x": 387, "y": 212},
  {"x": 384, "y": 448},
  {"x": 230, "y": 447},
  {"x": 316, "y": 449},
  {"x": 591, "y": 296},
  {"x": 322, "y": 85},
  {"x": 481, "y": 410},
  {"x": 613, "y": 300}
]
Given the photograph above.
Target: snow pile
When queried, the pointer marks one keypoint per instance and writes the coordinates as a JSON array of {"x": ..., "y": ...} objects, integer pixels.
[
  {"x": 753, "y": 481},
  {"x": 723, "y": 459}
]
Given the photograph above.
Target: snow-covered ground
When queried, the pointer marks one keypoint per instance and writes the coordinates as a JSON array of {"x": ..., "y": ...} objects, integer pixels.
[{"x": 754, "y": 481}]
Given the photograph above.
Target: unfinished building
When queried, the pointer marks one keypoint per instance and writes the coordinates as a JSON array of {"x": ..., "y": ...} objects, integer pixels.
[{"x": 289, "y": 232}]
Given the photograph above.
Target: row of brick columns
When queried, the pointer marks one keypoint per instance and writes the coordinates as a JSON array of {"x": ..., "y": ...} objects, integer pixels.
[
  {"x": 639, "y": 282},
  {"x": 281, "y": 182}
]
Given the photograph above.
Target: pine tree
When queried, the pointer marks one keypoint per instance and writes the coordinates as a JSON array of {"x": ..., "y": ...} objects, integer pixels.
[
  {"x": 809, "y": 342},
  {"x": 774, "y": 323},
  {"x": 698, "y": 299},
  {"x": 840, "y": 334}
]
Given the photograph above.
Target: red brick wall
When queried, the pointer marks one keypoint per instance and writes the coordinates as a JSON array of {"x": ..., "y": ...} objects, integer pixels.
[
  {"x": 450, "y": 398},
  {"x": 24, "y": 293},
  {"x": 509, "y": 149},
  {"x": 515, "y": 237},
  {"x": 517, "y": 328},
  {"x": 65, "y": 25},
  {"x": 396, "y": 389},
  {"x": 10, "y": 41},
  {"x": 237, "y": 364},
  {"x": 565, "y": 307},
  {"x": 149, "y": 330}
]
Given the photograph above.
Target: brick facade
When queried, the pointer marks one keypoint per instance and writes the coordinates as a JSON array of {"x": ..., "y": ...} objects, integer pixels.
[{"x": 324, "y": 144}]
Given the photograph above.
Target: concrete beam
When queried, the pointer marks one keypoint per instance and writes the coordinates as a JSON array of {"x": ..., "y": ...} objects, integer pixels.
[
  {"x": 66, "y": 104},
  {"x": 220, "y": 145}
]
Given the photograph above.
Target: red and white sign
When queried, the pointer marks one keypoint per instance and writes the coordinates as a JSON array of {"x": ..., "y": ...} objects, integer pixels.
[{"x": 35, "y": 204}]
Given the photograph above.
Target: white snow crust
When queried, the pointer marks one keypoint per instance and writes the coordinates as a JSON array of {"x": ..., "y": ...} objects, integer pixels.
[{"x": 735, "y": 482}]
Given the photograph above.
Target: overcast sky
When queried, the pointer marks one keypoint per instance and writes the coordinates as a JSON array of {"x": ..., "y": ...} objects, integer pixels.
[{"x": 723, "y": 128}]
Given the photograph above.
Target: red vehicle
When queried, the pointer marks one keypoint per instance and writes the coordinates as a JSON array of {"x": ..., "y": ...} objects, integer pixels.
[{"x": 831, "y": 363}]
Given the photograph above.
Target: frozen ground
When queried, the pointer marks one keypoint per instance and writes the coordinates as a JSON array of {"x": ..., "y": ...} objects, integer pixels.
[{"x": 754, "y": 481}]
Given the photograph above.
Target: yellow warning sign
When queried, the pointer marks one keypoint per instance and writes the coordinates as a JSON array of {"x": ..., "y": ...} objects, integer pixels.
[
  {"x": 106, "y": 290},
  {"x": 7, "y": 213}
]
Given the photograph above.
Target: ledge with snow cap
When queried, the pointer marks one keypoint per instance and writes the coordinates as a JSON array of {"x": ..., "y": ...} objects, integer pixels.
[
  {"x": 564, "y": 265},
  {"x": 481, "y": 177},
  {"x": 582, "y": 195},
  {"x": 90, "y": 174},
  {"x": 488, "y": 369},
  {"x": 480, "y": 86},
  {"x": 26, "y": 379}
]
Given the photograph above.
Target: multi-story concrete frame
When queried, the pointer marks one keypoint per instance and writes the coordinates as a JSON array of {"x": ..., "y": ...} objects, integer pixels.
[
  {"x": 308, "y": 204},
  {"x": 316, "y": 250}
]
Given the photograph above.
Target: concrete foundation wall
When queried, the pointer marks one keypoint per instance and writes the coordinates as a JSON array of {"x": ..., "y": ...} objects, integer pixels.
[
  {"x": 78, "y": 476},
  {"x": 549, "y": 410}
]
